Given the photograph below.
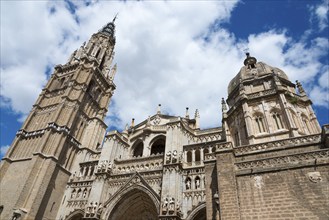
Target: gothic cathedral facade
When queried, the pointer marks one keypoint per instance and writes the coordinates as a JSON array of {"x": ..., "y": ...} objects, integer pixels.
[{"x": 269, "y": 160}]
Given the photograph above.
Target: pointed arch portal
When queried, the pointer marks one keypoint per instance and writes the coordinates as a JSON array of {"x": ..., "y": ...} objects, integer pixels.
[
  {"x": 199, "y": 213},
  {"x": 134, "y": 205}
]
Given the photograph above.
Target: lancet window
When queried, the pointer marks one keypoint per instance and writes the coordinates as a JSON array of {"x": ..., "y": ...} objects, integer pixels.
[
  {"x": 277, "y": 120},
  {"x": 259, "y": 119}
]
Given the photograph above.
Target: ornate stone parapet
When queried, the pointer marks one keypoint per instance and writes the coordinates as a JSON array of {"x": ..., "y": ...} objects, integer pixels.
[
  {"x": 261, "y": 94},
  {"x": 280, "y": 144}
]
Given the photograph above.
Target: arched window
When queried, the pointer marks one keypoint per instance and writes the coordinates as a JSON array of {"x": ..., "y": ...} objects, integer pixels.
[
  {"x": 92, "y": 170},
  {"x": 97, "y": 93},
  {"x": 213, "y": 149},
  {"x": 73, "y": 194},
  {"x": 197, "y": 155},
  {"x": 97, "y": 53},
  {"x": 295, "y": 119},
  {"x": 84, "y": 194},
  {"x": 205, "y": 151},
  {"x": 79, "y": 193},
  {"x": 259, "y": 119},
  {"x": 236, "y": 138},
  {"x": 138, "y": 150},
  {"x": 189, "y": 157},
  {"x": 158, "y": 147},
  {"x": 277, "y": 120},
  {"x": 86, "y": 171},
  {"x": 306, "y": 124}
]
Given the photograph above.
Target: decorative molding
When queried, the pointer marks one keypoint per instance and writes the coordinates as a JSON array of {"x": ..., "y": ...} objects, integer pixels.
[{"x": 283, "y": 160}]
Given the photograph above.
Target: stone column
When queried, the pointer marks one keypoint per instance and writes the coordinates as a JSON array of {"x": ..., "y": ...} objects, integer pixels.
[
  {"x": 193, "y": 157},
  {"x": 201, "y": 155}
]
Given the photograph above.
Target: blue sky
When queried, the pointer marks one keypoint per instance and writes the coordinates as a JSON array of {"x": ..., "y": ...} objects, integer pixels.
[{"x": 180, "y": 54}]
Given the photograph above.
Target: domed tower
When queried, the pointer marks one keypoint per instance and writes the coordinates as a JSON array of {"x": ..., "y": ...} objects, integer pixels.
[{"x": 264, "y": 105}]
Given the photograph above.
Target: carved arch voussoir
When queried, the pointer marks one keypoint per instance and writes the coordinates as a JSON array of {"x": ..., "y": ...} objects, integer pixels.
[{"x": 136, "y": 182}]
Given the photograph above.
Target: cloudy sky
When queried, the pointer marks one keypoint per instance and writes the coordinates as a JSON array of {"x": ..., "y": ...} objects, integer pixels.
[{"x": 180, "y": 54}]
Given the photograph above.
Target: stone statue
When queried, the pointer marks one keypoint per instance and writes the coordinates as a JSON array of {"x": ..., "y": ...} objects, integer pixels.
[
  {"x": 165, "y": 205},
  {"x": 171, "y": 204},
  {"x": 197, "y": 183},
  {"x": 188, "y": 184},
  {"x": 174, "y": 156},
  {"x": 168, "y": 157}
]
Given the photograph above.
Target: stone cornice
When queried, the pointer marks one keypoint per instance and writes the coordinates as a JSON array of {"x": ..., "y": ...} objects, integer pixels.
[{"x": 139, "y": 159}]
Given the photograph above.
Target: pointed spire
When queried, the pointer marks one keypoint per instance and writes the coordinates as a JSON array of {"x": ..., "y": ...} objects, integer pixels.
[
  {"x": 109, "y": 28},
  {"x": 187, "y": 114},
  {"x": 224, "y": 106},
  {"x": 159, "y": 109}
]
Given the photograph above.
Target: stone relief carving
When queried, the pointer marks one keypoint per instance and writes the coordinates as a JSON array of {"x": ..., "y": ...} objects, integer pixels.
[
  {"x": 104, "y": 166},
  {"x": 314, "y": 177},
  {"x": 170, "y": 206},
  {"x": 258, "y": 182}
]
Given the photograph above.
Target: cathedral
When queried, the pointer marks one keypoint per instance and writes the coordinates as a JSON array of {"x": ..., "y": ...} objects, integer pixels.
[{"x": 269, "y": 160}]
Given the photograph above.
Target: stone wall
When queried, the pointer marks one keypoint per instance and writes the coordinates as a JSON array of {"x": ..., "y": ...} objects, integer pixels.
[{"x": 291, "y": 194}]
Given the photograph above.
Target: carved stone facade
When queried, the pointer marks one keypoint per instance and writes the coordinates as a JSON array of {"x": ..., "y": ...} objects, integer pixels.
[{"x": 268, "y": 161}]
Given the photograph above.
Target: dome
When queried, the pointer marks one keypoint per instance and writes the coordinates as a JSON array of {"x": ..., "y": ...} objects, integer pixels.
[{"x": 254, "y": 69}]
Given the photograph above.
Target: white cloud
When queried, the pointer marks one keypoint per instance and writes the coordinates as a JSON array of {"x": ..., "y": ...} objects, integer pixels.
[
  {"x": 320, "y": 14},
  {"x": 3, "y": 150},
  {"x": 161, "y": 53}
]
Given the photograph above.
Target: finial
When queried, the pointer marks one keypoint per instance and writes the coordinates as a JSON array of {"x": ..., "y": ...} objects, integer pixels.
[
  {"x": 224, "y": 106},
  {"x": 197, "y": 119},
  {"x": 246, "y": 51},
  {"x": 115, "y": 17},
  {"x": 300, "y": 88},
  {"x": 148, "y": 123},
  {"x": 187, "y": 114},
  {"x": 159, "y": 109},
  {"x": 196, "y": 114},
  {"x": 132, "y": 122}
]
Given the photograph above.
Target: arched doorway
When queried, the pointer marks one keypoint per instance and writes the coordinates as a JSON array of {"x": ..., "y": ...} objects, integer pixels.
[
  {"x": 134, "y": 205},
  {"x": 76, "y": 215},
  {"x": 199, "y": 213}
]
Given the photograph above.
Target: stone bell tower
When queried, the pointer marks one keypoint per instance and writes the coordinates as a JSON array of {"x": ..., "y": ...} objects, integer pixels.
[
  {"x": 264, "y": 105},
  {"x": 67, "y": 119}
]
